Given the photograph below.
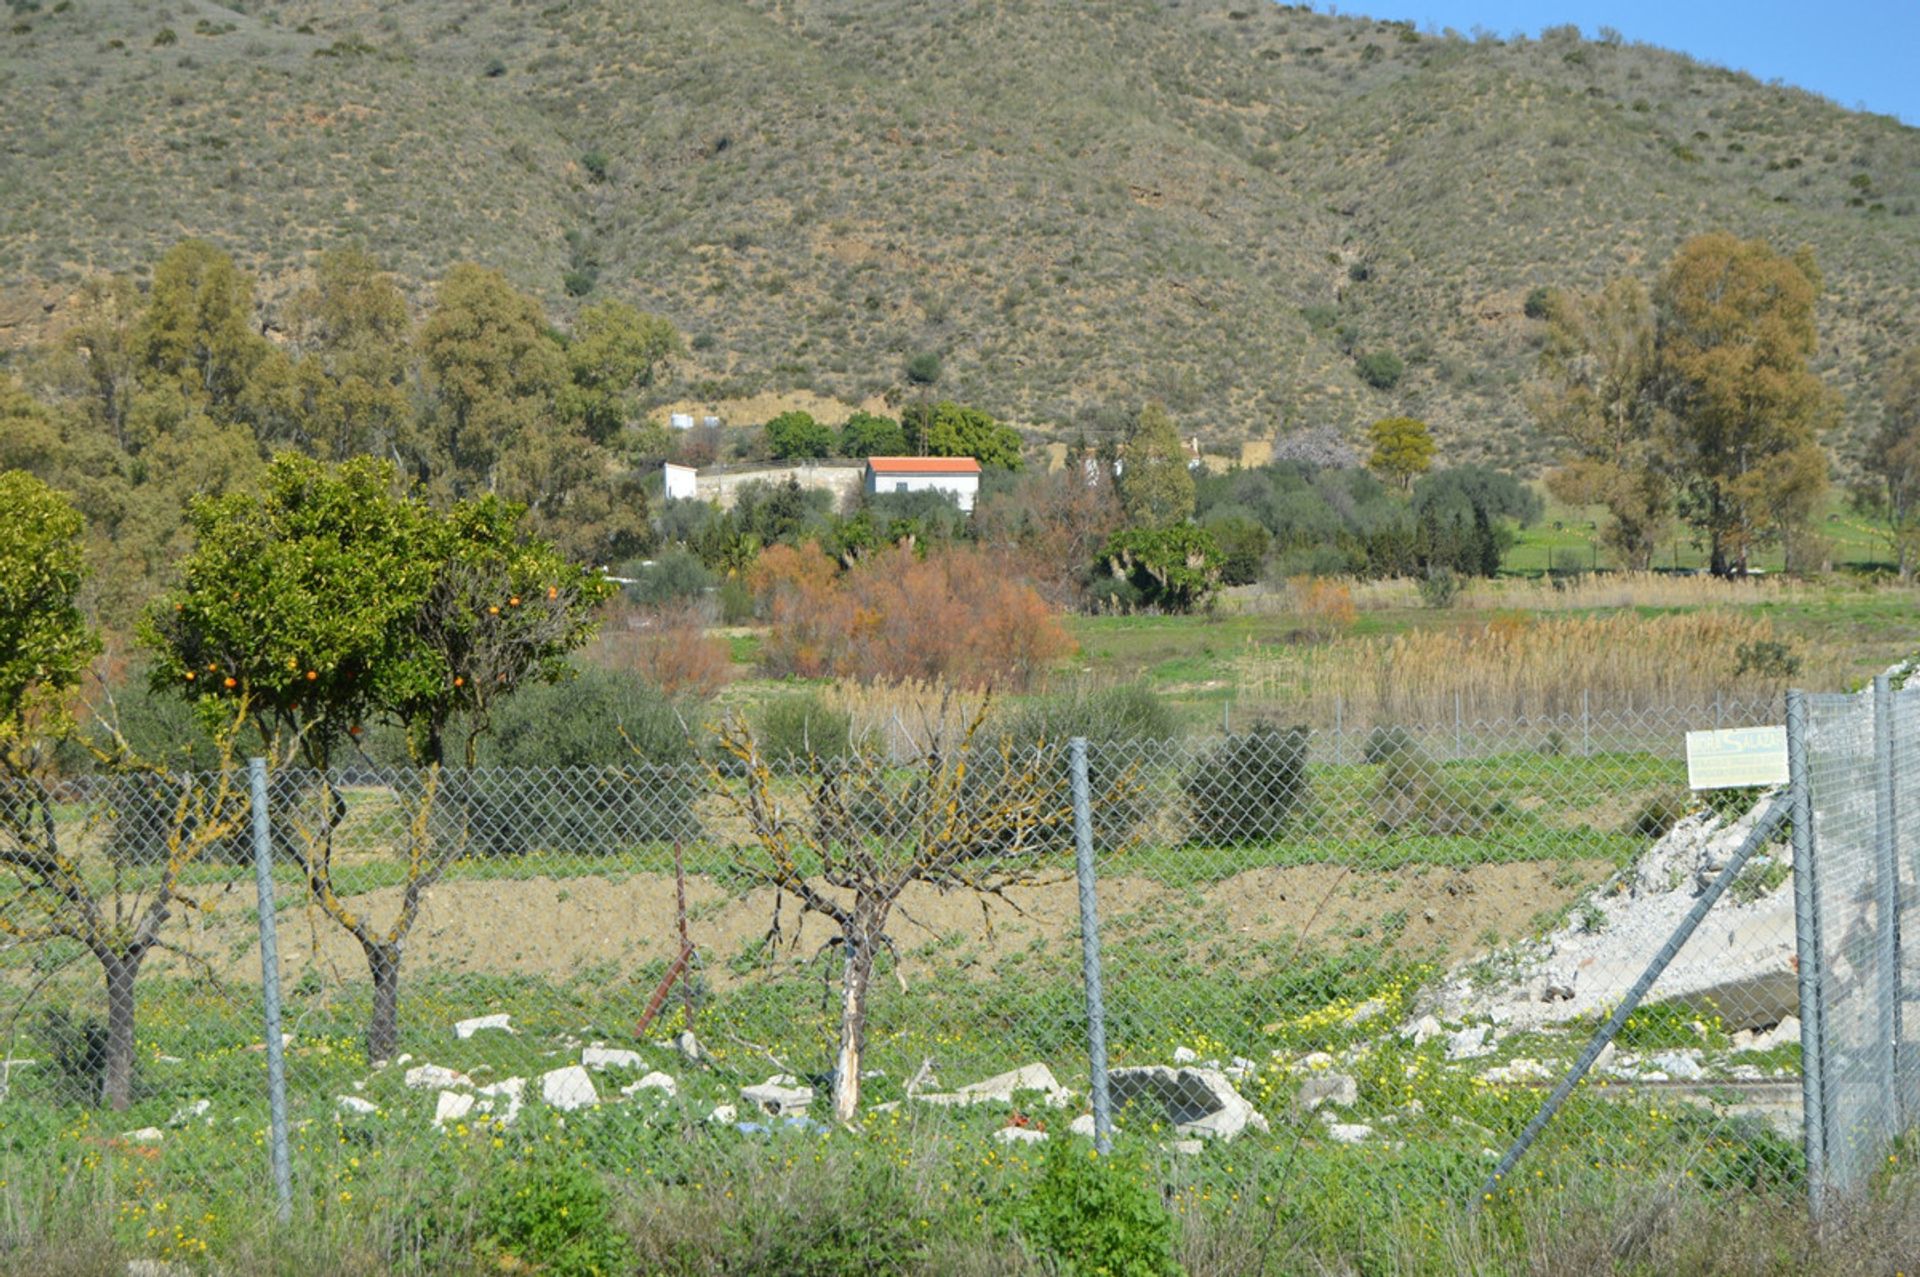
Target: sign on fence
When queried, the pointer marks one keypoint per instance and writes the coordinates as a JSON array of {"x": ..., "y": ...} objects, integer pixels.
[{"x": 1737, "y": 757}]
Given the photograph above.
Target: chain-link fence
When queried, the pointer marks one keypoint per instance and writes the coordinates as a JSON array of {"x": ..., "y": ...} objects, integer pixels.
[
  {"x": 1862, "y": 768},
  {"x": 1384, "y": 948}
]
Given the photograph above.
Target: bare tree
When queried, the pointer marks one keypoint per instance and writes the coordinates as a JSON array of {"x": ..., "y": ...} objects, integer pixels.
[
  {"x": 67, "y": 879},
  {"x": 846, "y": 837}
]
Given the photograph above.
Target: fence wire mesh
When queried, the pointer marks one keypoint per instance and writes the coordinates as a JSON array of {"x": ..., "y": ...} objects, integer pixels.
[
  {"x": 1376, "y": 952},
  {"x": 1862, "y": 762}
]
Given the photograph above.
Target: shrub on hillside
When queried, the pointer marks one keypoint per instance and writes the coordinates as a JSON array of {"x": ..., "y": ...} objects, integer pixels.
[{"x": 1380, "y": 369}]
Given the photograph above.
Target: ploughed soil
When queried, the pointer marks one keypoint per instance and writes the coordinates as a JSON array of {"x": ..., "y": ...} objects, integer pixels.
[{"x": 558, "y": 928}]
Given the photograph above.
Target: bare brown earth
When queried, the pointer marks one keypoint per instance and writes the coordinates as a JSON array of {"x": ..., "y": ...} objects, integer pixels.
[{"x": 559, "y": 928}]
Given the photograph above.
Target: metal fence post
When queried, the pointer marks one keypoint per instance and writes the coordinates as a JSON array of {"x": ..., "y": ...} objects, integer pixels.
[
  {"x": 1459, "y": 730},
  {"x": 1806, "y": 916},
  {"x": 270, "y": 989},
  {"x": 1090, "y": 946},
  {"x": 1887, "y": 899},
  {"x": 1586, "y": 723},
  {"x": 1339, "y": 730}
]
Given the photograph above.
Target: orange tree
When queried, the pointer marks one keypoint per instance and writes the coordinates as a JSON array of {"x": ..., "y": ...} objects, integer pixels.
[
  {"x": 334, "y": 598},
  {"x": 55, "y": 884}
]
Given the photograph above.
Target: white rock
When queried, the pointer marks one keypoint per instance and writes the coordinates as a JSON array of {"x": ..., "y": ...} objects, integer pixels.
[
  {"x": 568, "y": 1089},
  {"x": 1604, "y": 1062},
  {"x": 1684, "y": 1065},
  {"x": 1788, "y": 1030},
  {"x": 467, "y": 1028},
  {"x": 1187, "y": 1148},
  {"x": 1349, "y": 1132},
  {"x": 1314, "y": 1060},
  {"x": 432, "y": 1077},
  {"x": 1240, "y": 1068},
  {"x": 1185, "y": 1055},
  {"x": 652, "y": 1082},
  {"x": 778, "y": 1101},
  {"x": 1328, "y": 1088},
  {"x": 1518, "y": 1069},
  {"x": 1082, "y": 1125},
  {"x": 1469, "y": 1043},
  {"x": 1002, "y": 1087},
  {"x": 503, "y": 1099},
  {"x": 1196, "y": 1101},
  {"x": 783, "y": 1079},
  {"x": 1367, "y": 1010},
  {"x": 689, "y": 1046},
  {"x": 452, "y": 1106},
  {"x": 1425, "y": 1029},
  {"x": 1019, "y": 1135},
  {"x": 145, "y": 1135},
  {"x": 724, "y": 1114},
  {"x": 611, "y": 1057},
  {"x": 194, "y": 1110},
  {"x": 354, "y": 1104},
  {"x": 156, "y": 1268}
]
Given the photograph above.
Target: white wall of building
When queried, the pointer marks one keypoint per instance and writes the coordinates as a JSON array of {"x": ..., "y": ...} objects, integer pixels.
[
  {"x": 682, "y": 482},
  {"x": 964, "y": 487}
]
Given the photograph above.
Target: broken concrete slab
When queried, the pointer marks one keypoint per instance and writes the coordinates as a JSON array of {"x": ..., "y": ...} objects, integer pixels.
[
  {"x": 355, "y": 1105},
  {"x": 657, "y": 1082},
  {"x": 1195, "y": 1101},
  {"x": 568, "y": 1089},
  {"x": 145, "y": 1135},
  {"x": 1327, "y": 1088},
  {"x": 192, "y": 1112},
  {"x": 433, "y": 1077},
  {"x": 464, "y": 1029},
  {"x": 1470, "y": 1042},
  {"x": 452, "y": 1106},
  {"x": 776, "y": 1100},
  {"x": 1002, "y": 1087},
  {"x": 610, "y": 1057},
  {"x": 1019, "y": 1135},
  {"x": 1349, "y": 1132},
  {"x": 503, "y": 1099}
]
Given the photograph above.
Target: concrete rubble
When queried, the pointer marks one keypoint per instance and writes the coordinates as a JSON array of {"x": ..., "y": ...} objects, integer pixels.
[
  {"x": 464, "y": 1029},
  {"x": 1196, "y": 1101}
]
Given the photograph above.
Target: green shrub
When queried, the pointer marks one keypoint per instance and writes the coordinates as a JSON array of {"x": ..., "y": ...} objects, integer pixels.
[
  {"x": 1126, "y": 728},
  {"x": 794, "y": 729},
  {"x": 1411, "y": 793},
  {"x": 1380, "y": 369},
  {"x": 545, "y": 1212},
  {"x": 1245, "y": 790},
  {"x": 1439, "y": 588},
  {"x": 1096, "y": 1216},
  {"x": 675, "y": 575}
]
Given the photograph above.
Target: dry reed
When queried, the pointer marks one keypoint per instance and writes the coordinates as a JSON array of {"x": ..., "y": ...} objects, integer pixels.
[{"x": 1515, "y": 666}]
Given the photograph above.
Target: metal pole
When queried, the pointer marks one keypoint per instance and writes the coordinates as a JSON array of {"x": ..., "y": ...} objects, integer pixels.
[
  {"x": 1339, "y": 730},
  {"x": 270, "y": 989},
  {"x": 1459, "y": 730},
  {"x": 1806, "y": 916},
  {"x": 1090, "y": 945},
  {"x": 1586, "y": 723},
  {"x": 1887, "y": 900},
  {"x": 1755, "y": 839}
]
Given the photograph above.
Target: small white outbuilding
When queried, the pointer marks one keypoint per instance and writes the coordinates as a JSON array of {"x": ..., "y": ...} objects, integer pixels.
[{"x": 959, "y": 476}]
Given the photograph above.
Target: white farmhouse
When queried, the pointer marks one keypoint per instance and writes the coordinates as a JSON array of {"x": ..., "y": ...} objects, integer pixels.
[{"x": 959, "y": 476}]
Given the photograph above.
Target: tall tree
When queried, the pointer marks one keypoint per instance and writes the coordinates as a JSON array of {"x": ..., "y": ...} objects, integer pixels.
[
  {"x": 1745, "y": 411},
  {"x": 350, "y": 333},
  {"x": 196, "y": 337},
  {"x": 1598, "y": 396},
  {"x": 615, "y": 353},
  {"x": 1156, "y": 487},
  {"x": 1893, "y": 457},
  {"x": 492, "y": 370}
]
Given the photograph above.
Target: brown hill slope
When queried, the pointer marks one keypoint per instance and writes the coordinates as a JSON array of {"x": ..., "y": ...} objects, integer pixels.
[{"x": 1220, "y": 204}]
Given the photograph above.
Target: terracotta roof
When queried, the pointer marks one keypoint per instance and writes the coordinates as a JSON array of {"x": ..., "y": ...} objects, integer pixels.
[{"x": 923, "y": 465}]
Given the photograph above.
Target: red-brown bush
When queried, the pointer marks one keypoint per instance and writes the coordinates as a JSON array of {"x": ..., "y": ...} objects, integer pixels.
[
  {"x": 667, "y": 646},
  {"x": 953, "y": 616}
]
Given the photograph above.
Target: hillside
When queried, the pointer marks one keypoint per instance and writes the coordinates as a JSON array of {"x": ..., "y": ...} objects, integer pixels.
[{"x": 1078, "y": 207}]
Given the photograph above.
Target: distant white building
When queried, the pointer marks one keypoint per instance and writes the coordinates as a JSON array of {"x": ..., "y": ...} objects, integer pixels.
[
  {"x": 681, "y": 482},
  {"x": 680, "y": 420},
  {"x": 959, "y": 476}
]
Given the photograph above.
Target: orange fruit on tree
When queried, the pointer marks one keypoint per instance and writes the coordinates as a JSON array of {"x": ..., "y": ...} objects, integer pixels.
[{"x": 230, "y": 680}]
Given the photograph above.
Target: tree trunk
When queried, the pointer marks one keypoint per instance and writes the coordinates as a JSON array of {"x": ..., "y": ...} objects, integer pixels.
[
  {"x": 116, "y": 1072},
  {"x": 856, "y": 983},
  {"x": 383, "y": 1028}
]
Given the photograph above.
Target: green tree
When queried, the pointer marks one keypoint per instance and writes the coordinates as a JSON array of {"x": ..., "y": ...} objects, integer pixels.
[
  {"x": 1175, "y": 568},
  {"x": 350, "y": 333},
  {"x": 492, "y": 371},
  {"x": 45, "y": 643},
  {"x": 332, "y": 599},
  {"x": 1380, "y": 369},
  {"x": 615, "y": 354},
  {"x": 1156, "y": 487},
  {"x": 1744, "y": 409},
  {"x": 948, "y": 429},
  {"x": 29, "y": 436},
  {"x": 1598, "y": 396},
  {"x": 867, "y": 435},
  {"x": 1402, "y": 450},
  {"x": 1893, "y": 457},
  {"x": 196, "y": 337},
  {"x": 795, "y": 435}
]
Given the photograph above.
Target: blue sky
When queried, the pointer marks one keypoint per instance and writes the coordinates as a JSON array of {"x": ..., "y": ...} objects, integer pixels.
[{"x": 1857, "y": 52}]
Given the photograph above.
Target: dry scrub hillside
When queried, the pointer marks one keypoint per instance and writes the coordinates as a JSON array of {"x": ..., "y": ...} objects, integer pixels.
[{"x": 1223, "y": 203}]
